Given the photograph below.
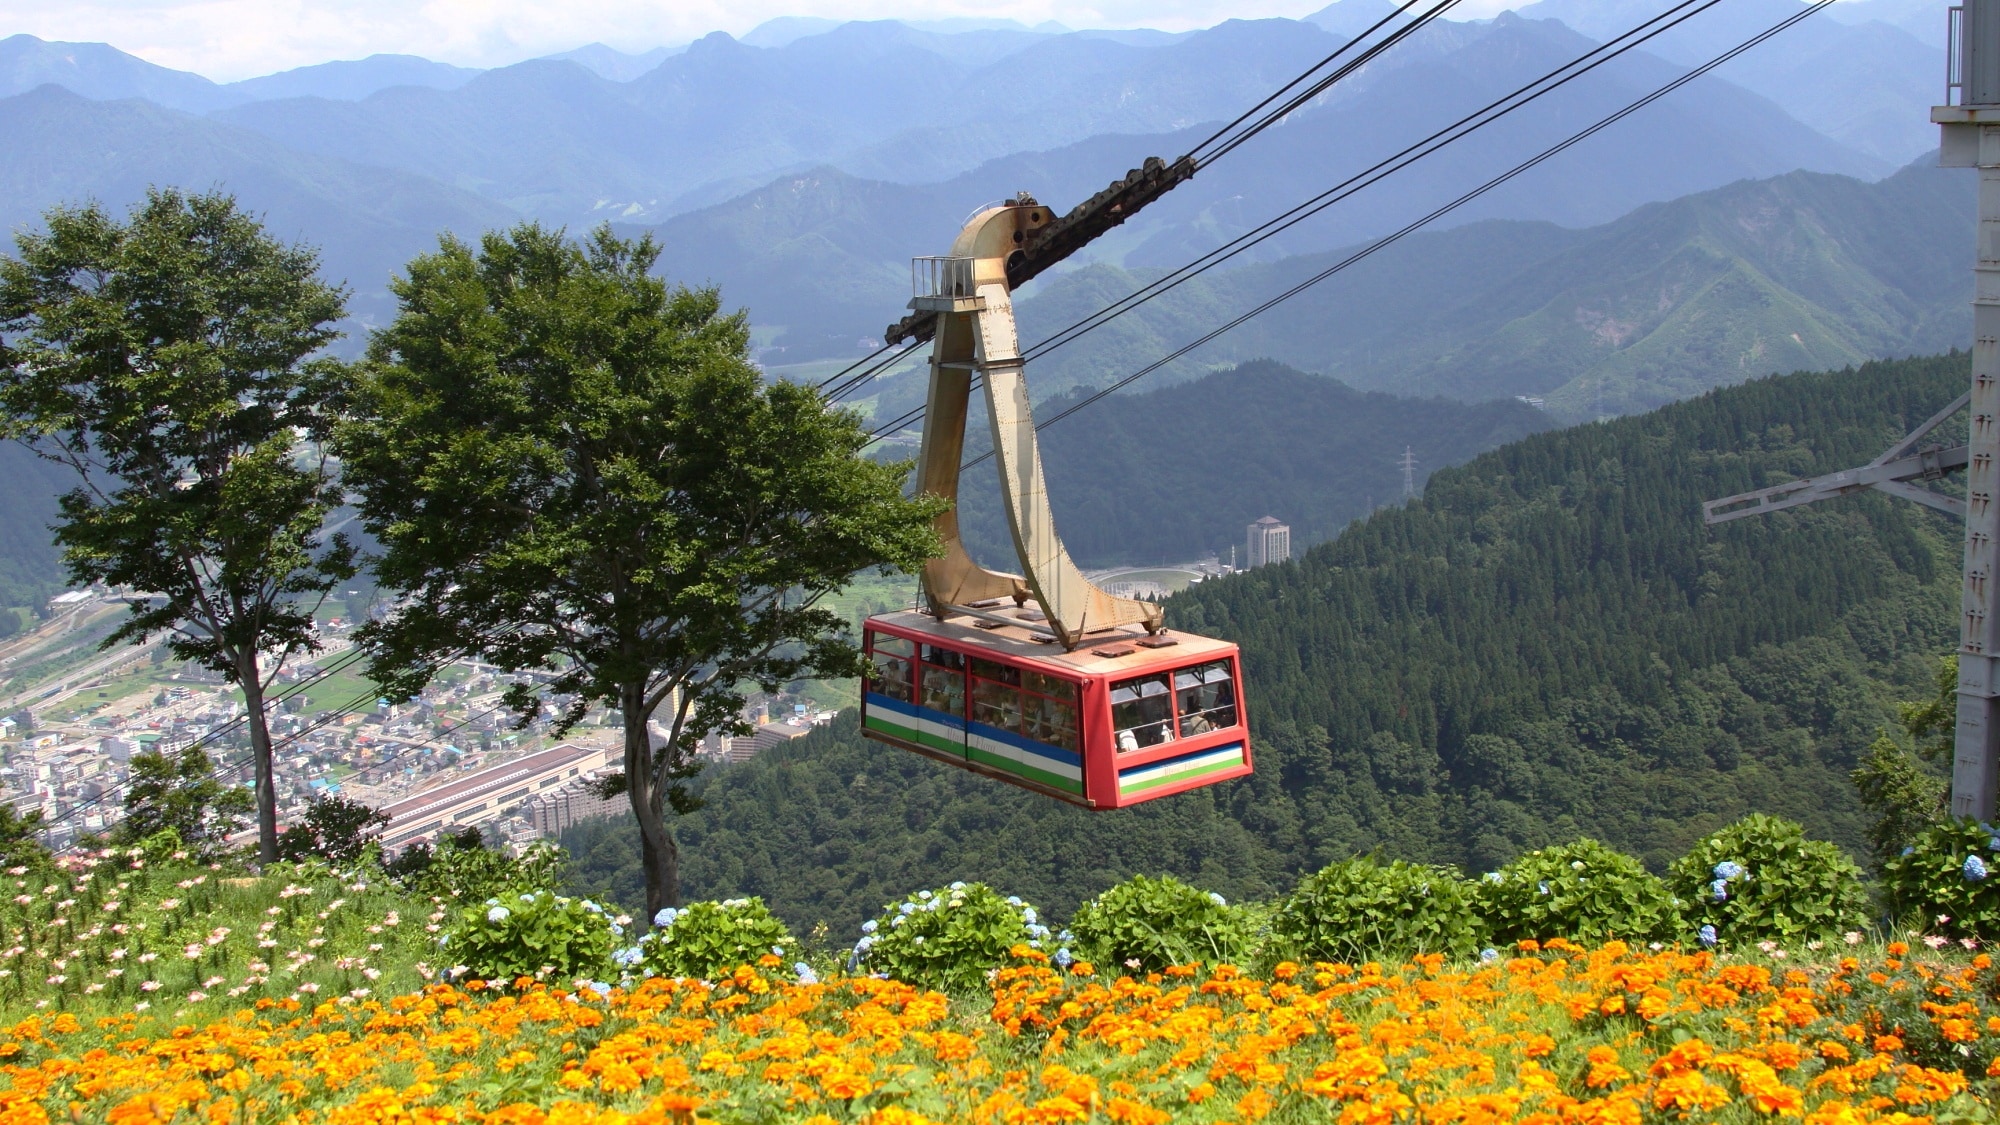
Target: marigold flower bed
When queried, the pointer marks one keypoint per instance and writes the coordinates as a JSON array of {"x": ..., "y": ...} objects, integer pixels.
[{"x": 1553, "y": 1034}]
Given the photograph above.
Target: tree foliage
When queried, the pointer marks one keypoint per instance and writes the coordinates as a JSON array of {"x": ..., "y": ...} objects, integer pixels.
[
  {"x": 178, "y": 792},
  {"x": 335, "y": 830},
  {"x": 575, "y": 469},
  {"x": 172, "y": 362}
]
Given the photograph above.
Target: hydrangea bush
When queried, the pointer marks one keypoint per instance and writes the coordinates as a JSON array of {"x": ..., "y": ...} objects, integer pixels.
[
  {"x": 707, "y": 940},
  {"x": 1361, "y": 909},
  {"x": 1947, "y": 880},
  {"x": 1761, "y": 880},
  {"x": 538, "y": 934},
  {"x": 949, "y": 939},
  {"x": 1583, "y": 891},
  {"x": 1147, "y": 924}
]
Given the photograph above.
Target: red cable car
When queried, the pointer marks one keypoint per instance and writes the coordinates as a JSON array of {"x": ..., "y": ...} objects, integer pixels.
[
  {"x": 1131, "y": 718},
  {"x": 1041, "y": 679}
]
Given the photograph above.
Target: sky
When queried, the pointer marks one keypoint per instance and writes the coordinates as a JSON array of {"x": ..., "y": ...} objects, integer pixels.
[{"x": 233, "y": 39}]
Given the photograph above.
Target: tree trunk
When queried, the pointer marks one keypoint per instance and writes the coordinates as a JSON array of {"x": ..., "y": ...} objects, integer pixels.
[
  {"x": 656, "y": 845},
  {"x": 250, "y": 680}
]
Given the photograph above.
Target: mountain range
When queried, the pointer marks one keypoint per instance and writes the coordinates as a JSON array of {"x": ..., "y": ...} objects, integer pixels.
[{"x": 801, "y": 167}]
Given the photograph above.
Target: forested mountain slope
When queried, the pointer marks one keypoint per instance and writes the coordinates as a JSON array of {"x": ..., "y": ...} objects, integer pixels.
[{"x": 1547, "y": 644}]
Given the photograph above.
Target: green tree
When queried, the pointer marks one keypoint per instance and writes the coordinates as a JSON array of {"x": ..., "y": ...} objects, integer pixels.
[
  {"x": 575, "y": 468},
  {"x": 1904, "y": 792},
  {"x": 18, "y": 837},
  {"x": 180, "y": 792},
  {"x": 334, "y": 829},
  {"x": 173, "y": 362}
]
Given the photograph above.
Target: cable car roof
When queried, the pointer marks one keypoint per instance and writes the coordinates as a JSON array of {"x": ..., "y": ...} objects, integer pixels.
[{"x": 1107, "y": 653}]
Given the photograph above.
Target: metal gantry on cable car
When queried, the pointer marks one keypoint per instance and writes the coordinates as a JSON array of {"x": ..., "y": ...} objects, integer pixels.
[{"x": 1040, "y": 679}]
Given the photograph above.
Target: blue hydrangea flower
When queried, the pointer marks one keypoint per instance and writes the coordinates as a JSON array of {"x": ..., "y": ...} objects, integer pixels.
[
  {"x": 870, "y": 926},
  {"x": 1013, "y": 900},
  {"x": 805, "y": 973},
  {"x": 1544, "y": 887},
  {"x": 1066, "y": 937},
  {"x": 1494, "y": 877},
  {"x": 1488, "y": 956},
  {"x": 1907, "y": 852},
  {"x": 1707, "y": 936},
  {"x": 617, "y": 930},
  {"x": 602, "y": 989},
  {"x": 907, "y": 909},
  {"x": 1729, "y": 869},
  {"x": 1719, "y": 890},
  {"x": 923, "y": 894},
  {"x": 527, "y": 898},
  {"x": 958, "y": 886},
  {"x": 666, "y": 916},
  {"x": 1063, "y": 957},
  {"x": 898, "y": 920},
  {"x": 1028, "y": 915},
  {"x": 497, "y": 914},
  {"x": 1974, "y": 869},
  {"x": 777, "y": 951},
  {"x": 1217, "y": 899}
]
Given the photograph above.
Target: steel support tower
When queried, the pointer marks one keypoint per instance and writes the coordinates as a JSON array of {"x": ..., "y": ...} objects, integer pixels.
[
  {"x": 1970, "y": 127},
  {"x": 1969, "y": 123}
]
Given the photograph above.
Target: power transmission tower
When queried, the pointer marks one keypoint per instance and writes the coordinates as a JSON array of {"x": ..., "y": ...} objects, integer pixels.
[
  {"x": 1409, "y": 463},
  {"x": 1970, "y": 126}
]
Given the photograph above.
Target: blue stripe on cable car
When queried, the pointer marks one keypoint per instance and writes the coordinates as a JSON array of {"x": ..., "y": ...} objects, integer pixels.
[
  {"x": 921, "y": 725},
  {"x": 1188, "y": 766},
  {"x": 1055, "y": 754}
]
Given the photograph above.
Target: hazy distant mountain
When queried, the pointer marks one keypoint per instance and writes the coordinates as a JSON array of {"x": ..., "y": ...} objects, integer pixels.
[
  {"x": 62, "y": 148},
  {"x": 615, "y": 65},
  {"x": 821, "y": 253},
  {"x": 353, "y": 80},
  {"x": 1924, "y": 19},
  {"x": 101, "y": 72},
  {"x": 786, "y": 30},
  {"x": 1866, "y": 84},
  {"x": 1799, "y": 271},
  {"x": 95, "y": 70}
]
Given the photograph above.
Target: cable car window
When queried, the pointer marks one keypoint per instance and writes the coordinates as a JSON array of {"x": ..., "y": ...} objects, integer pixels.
[
  {"x": 1052, "y": 721},
  {"x": 894, "y": 646},
  {"x": 1050, "y": 685},
  {"x": 944, "y": 658},
  {"x": 998, "y": 673},
  {"x": 891, "y": 677},
  {"x": 1207, "y": 698},
  {"x": 944, "y": 690},
  {"x": 1142, "y": 712},
  {"x": 997, "y": 705}
]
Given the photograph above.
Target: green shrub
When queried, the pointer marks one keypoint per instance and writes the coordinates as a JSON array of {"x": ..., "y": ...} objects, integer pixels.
[
  {"x": 1147, "y": 924},
  {"x": 949, "y": 939},
  {"x": 540, "y": 934},
  {"x": 710, "y": 939},
  {"x": 1584, "y": 891},
  {"x": 464, "y": 869},
  {"x": 1360, "y": 909},
  {"x": 1760, "y": 879},
  {"x": 1947, "y": 880}
]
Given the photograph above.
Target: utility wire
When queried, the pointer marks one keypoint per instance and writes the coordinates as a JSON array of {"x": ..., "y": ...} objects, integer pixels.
[
  {"x": 1472, "y": 122},
  {"x": 1292, "y": 104},
  {"x": 1468, "y": 197},
  {"x": 852, "y": 377}
]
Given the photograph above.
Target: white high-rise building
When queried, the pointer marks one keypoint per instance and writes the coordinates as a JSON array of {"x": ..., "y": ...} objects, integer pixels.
[{"x": 1268, "y": 542}]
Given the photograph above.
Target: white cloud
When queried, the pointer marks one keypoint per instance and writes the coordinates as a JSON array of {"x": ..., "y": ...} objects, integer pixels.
[{"x": 232, "y": 39}]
